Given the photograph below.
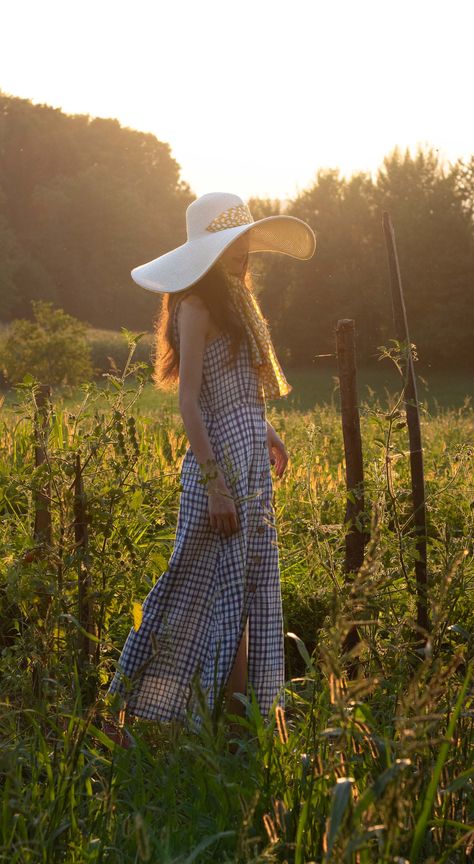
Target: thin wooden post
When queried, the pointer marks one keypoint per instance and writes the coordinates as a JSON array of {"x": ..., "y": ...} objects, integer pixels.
[
  {"x": 355, "y": 536},
  {"x": 42, "y": 500},
  {"x": 81, "y": 537},
  {"x": 413, "y": 424},
  {"x": 42, "y": 529}
]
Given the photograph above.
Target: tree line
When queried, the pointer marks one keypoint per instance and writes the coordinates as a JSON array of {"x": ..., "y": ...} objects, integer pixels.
[{"x": 83, "y": 200}]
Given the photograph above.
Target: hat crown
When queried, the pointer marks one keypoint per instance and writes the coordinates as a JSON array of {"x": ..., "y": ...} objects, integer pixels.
[{"x": 206, "y": 209}]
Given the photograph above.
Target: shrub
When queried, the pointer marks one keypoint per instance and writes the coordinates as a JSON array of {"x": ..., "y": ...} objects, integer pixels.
[{"x": 53, "y": 348}]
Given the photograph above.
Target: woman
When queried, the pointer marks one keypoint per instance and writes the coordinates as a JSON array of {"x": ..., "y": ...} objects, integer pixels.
[{"x": 212, "y": 624}]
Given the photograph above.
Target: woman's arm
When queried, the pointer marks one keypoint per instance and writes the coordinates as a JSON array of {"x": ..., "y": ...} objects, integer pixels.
[
  {"x": 276, "y": 450},
  {"x": 193, "y": 326}
]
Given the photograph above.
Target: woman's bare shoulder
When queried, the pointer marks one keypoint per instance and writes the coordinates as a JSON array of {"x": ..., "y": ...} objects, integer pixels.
[
  {"x": 194, "y": 306},
  {"x": 193, "y": 301},
  {"x": 194, "y": 311}
]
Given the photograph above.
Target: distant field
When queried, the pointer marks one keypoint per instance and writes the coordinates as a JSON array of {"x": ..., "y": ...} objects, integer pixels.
[
  {"x": 316, "y": 386},
  {"x": 319, "y": 386},
  {"x": 313, "y": 387},
  {"x": 310, "y": 386}
]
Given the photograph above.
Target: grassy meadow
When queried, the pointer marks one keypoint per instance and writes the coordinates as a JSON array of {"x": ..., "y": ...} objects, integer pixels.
[
  {"x": 376, "y": 768},
  {"x": 312, "y": 386},
  {"x": 438, "y": 388}
]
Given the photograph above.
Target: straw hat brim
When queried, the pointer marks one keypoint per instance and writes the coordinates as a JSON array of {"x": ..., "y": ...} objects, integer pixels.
[{"x": 182, "y": 267}]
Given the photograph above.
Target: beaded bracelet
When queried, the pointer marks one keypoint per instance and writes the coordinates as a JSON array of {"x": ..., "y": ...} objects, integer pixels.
[{"x": 206, "y": 477}]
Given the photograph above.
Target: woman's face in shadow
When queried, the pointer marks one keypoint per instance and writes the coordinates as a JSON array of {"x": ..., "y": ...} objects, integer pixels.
[{"x": 235, "y": 257}]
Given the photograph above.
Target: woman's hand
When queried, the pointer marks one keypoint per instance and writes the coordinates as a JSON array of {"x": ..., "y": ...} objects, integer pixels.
[
  {"x": 222, "y": 512},
  {"x": 276, "y": 451}
]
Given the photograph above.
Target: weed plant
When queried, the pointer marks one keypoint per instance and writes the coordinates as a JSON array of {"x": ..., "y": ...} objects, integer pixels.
[{"x": 372, "y": 768}]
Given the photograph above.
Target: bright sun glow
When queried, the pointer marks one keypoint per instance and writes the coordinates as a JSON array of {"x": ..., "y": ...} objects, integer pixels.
[{"x": 256, "y": 96}]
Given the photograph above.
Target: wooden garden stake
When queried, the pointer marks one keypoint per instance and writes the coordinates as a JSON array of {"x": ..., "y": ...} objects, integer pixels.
[
  {"x": 42, "y": 530},
  {"x": 83, "y": 576},
  {"x": 345, "y": 342},
  {"x": 42, "y": 502},
  {"x": 413, "y": 424}
]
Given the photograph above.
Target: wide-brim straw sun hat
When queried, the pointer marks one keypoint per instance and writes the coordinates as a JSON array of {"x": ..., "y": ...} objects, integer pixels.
[{"x": 213, "y": 222}]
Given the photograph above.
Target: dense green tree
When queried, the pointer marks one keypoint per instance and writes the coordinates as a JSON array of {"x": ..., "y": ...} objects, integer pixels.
[
  {"x": 262, "y": 207},
  {"x": 52, "y": 348},
  {"x": 84, "y": 200},
  {"x": 436, "y": 252},
  {"x": 464, "y": 183},
  {"x": 10, "y": 257},
  {"x": 347, "y": 278},
  {"x": 343, "y": 280}
]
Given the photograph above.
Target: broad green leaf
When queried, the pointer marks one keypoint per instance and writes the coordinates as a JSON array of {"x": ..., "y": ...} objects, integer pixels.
[
  {"x": 341, "y": 796},
  {"x": 302, "y": 650}
]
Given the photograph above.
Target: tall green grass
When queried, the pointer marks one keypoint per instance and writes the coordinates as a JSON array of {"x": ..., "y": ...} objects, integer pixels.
[{"x": 375, "y": 769}]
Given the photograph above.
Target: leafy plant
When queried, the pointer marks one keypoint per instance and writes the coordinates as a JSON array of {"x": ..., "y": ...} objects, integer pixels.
[{"x": 52, "y": 348}]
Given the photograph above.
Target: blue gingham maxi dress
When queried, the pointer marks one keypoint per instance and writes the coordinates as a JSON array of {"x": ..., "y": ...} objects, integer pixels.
[{"x": 195, "y": 615}]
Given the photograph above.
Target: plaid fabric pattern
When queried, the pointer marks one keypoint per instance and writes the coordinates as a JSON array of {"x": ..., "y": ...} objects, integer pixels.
[{"x": 195, "y": 615}]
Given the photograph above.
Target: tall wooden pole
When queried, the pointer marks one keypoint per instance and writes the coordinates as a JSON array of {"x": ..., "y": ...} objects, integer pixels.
[
  {"x": 346, "y": 358},
  {"x": 42, "y": 530},
  {"x": 413, "y": 424},
  {"x": 84, "y": 586},
  {"x": 42, "y": 502}
]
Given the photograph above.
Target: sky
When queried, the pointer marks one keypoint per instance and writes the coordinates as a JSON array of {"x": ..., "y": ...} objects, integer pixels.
[{"x": 254, "y": 96}]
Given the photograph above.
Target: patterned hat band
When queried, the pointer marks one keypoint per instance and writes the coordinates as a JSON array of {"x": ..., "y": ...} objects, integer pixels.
[{"x": 231, "y": 218}]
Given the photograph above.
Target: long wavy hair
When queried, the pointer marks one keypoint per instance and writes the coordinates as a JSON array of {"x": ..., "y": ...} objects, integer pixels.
[{"x": 213, "y": 290}]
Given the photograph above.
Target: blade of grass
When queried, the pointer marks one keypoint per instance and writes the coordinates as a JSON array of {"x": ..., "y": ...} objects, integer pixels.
[
  {"x": 376, "y": 790},
  {"x": 341, "y": 795},
  {"x": 204, "y": 844},
  {"x": 420, "y": 827},
  {"x": 299, "y": 851}
]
